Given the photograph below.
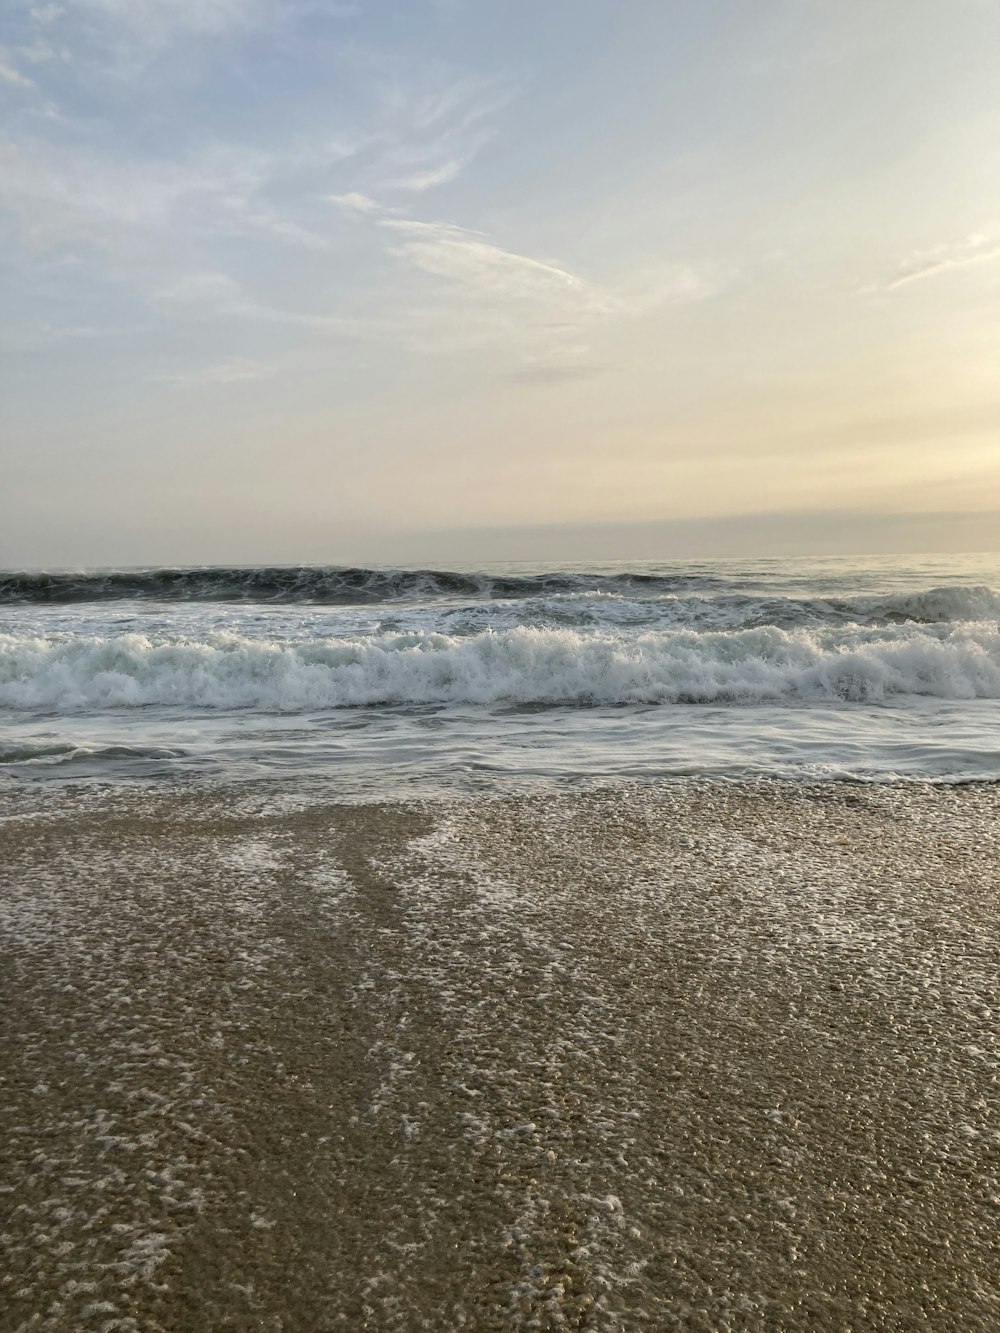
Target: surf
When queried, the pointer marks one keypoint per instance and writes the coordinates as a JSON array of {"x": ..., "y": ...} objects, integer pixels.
[{"x": 520, "y": 666}]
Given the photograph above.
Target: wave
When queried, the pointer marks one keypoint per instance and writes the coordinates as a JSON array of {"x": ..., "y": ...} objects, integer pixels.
[
  {"x": 517, "y": 666},
  {"x": 694, "y": 597},
  {"x": 935, "y": 605},
  {"x": 730, "y": 611},
  {"x": 58, "y": 753},
  {"x": 323, "y": 585}
]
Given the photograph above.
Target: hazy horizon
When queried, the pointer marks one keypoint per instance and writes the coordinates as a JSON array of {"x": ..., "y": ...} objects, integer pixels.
[
  {"x": 456, "y": 281},
  {"x": 807, "y": 535}
]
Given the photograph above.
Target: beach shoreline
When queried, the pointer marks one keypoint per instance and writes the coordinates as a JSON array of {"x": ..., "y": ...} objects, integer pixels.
[{"x": 691, "y": 1054}]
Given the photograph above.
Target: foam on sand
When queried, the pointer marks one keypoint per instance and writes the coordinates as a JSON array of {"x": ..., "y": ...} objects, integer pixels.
[{"x": 684, "y": 1055}]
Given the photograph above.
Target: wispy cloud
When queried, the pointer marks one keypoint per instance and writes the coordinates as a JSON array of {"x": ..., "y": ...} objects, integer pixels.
[
  {"x": 975, "y": 249},
  {"x": 435, "y": 131},
  {"x": 155, "y": 22},
  {"x": 671, "y": 282},
  {"x": 534, "y": 314},
  {"x": 427, "y": 180},
  {"x": 470, "y": 261},
  {"x": 40, "y": 337},
  {"x": 537, "y": 312},
  {"x": 355, "y": 202},
  {"x": 40, "y": 51},
  {"x": 193, "y": 292},
  {"x": 210, "y": 296},
  {"x": 64, "y": 193},
  {"x": 10, "y": 74},
  {"x": 63, "y": 197},
  {"x": 121, "y": 40},
  {"x": 222, "y": 372},
  {"x": 146, "y": 201},
  {"x": 46, "y": 13},
  {"x": 200, "y": 233}
]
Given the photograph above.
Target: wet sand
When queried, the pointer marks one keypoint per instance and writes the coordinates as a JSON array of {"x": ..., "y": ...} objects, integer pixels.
[{"x": 689, "y": 1056}]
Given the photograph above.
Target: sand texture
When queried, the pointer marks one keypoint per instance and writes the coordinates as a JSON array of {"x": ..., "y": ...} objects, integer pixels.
[{"x": 682, "y": 1056}]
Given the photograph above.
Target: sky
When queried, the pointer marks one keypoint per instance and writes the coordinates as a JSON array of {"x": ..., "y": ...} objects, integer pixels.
[{"x": 396, "y": 280}]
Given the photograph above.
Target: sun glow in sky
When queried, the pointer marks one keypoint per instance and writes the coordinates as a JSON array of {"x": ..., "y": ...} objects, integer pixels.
[{"x": 410, "y": 279}]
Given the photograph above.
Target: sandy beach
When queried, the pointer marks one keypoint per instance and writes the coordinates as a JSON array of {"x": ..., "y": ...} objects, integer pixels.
[{"x": 678, "y": 1056}]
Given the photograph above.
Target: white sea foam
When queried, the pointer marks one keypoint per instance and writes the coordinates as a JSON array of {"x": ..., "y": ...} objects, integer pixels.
[
  {"x": 975, "y": 602},
  {"x": 519, "y": 666}
]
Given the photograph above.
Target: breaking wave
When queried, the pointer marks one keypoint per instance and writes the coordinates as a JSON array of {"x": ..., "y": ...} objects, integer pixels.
[
  {"x": 308, "y": 583},
  {"x": 517, "y": 666},
  {"x": 691, "y": 597},
  {"x": 936, "y": 605}
]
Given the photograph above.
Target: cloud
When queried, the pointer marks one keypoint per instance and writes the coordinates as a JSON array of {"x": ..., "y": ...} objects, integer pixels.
[
  {"x": 157, "y": 22},
  {"x": 120, "y": 40},
  {"x": 354, "y": 202},
  {"x": 976, "y": 249},
  {"x": 195, "y": 293},
  {"x": 435, "y": 131},
  {"x": 427, "y": 180},
  {"x": 208, "y": 296},
  {"x": 534, "y": 316},
  {"x": 140, "y": 209},
  {"x": 144, "y": 194},
  {"x": 40, "y": 52},
  {"x": 69, "y": 186},
  {"x": 450, "y": 106},
  {"x": 470, "y": 261},
  {"x": 557, "y": 374},
  {"x": 9, "y": 72},
  {"x": 40, "y": 337},
  {"x": 178, "y": 227},
  {"x": 223, "y": 372},
  {"x": 671, "y": 283},
  {"x": 479, "y": 296}
]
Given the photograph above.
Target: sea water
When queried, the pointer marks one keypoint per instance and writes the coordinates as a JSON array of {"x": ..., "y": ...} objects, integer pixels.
[{"x": 380, "y": 680}]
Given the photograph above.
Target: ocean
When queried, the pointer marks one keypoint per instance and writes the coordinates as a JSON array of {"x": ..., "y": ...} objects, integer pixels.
[
  {"x": 378, "y": 681},
  {"x": 594, "y": 947}
]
